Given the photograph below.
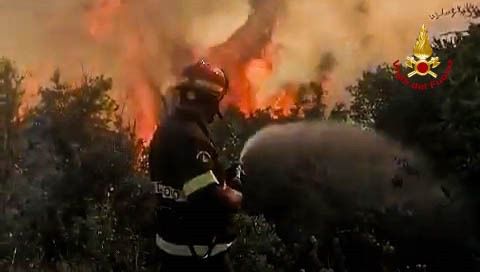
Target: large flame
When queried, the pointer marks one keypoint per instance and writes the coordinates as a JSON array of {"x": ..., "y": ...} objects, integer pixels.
[
  {"x": 139, "y": 99},
  {"x": 140, "y": 92},
  {"x": 247, "y": 56},
  {"x": 264, "y": 45}
]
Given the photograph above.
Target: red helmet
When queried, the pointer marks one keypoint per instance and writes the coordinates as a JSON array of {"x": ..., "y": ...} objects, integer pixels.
[{"x": 204, "y": 78}]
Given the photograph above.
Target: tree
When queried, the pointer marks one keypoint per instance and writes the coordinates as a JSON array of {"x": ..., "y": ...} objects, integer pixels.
[
  {"x": 442, "y": 123},
  {"x": 10, "y": 96},
  {"x": 371, "y": 94},
  {"x": 81, "y": 202},
  {"x": 309, "y": 101},
  {"x": 339, "y": 112},
  {"x": 258, "y": 247},
  {"x": 78, "y": 187}
]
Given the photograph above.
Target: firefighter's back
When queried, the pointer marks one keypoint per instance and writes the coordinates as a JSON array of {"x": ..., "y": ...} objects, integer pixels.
[
  {"x": 196, "y": 202},
  {"x": 176, "y": 144}
]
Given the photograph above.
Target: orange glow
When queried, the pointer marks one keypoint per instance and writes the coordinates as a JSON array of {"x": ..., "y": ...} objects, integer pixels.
[
  {"x": 145, "y": 119},
  {"x": 257, "y": 72},
  {"x": 140, "y": 91},
  {"x": 140, "y": 102},
  {"x": 241, "y": 92},
  {"x": 284, "y": 103},
  {"x": 100, "y": 18},
  {"x": 248, "y": 56},
  {"x": 31, "y": 85},
  {"x": 247, "y": 76}
]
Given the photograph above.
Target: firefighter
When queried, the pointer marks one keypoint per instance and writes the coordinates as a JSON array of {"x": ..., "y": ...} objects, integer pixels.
[{"x": 197, "y": 197}]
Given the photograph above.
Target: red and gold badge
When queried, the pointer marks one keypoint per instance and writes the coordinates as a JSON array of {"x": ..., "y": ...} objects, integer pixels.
[{"x": 421, "y": 62}]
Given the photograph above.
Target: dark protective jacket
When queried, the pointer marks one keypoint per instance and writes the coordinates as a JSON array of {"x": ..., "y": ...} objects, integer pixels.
[{"x": 182, "y": 150}]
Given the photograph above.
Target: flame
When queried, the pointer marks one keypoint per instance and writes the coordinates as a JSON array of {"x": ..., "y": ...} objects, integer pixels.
[
  {"x": 101, "y": 17},
  {"x": 110, "y": 35},
  {"x": 140, "y": 101},
  {"x": 249, "y": 81},
  {"x": 145, "y": 120},
  {"x": 140, "y": 91},
  {"x": 248, "y": 56},
  {"x": 284, "y": 103},
  {"x": 31, "y": 85}
]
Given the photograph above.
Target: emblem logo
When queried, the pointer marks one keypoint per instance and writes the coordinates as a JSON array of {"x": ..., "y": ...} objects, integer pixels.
[
  {"x": 203, "y": 156},
  {"x": 422, "y": 63}
]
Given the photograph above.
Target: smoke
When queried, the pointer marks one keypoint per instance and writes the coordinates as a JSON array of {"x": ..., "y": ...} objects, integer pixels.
[
  {"x": 96, "y": 32},
  {"x": 143, "y": 44},
  {"x": 321, "y": 175},
  {"x": 359, "y": 34}
]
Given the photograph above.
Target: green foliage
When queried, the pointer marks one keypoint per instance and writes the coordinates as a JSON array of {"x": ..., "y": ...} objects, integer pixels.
[
  {"x": 76, "y": 185},
  {"x": 442, "y": 122},
  {"x": 11, "y": 85},
  {"x": 340, "y": 112},
  {"x": 81, "y": 198},
  {"x": 371, "y": 93},
  {"x": 258, "y": 248},
  {"x": 310, "y": 101},
  {"x": 10, "y": 95}
]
